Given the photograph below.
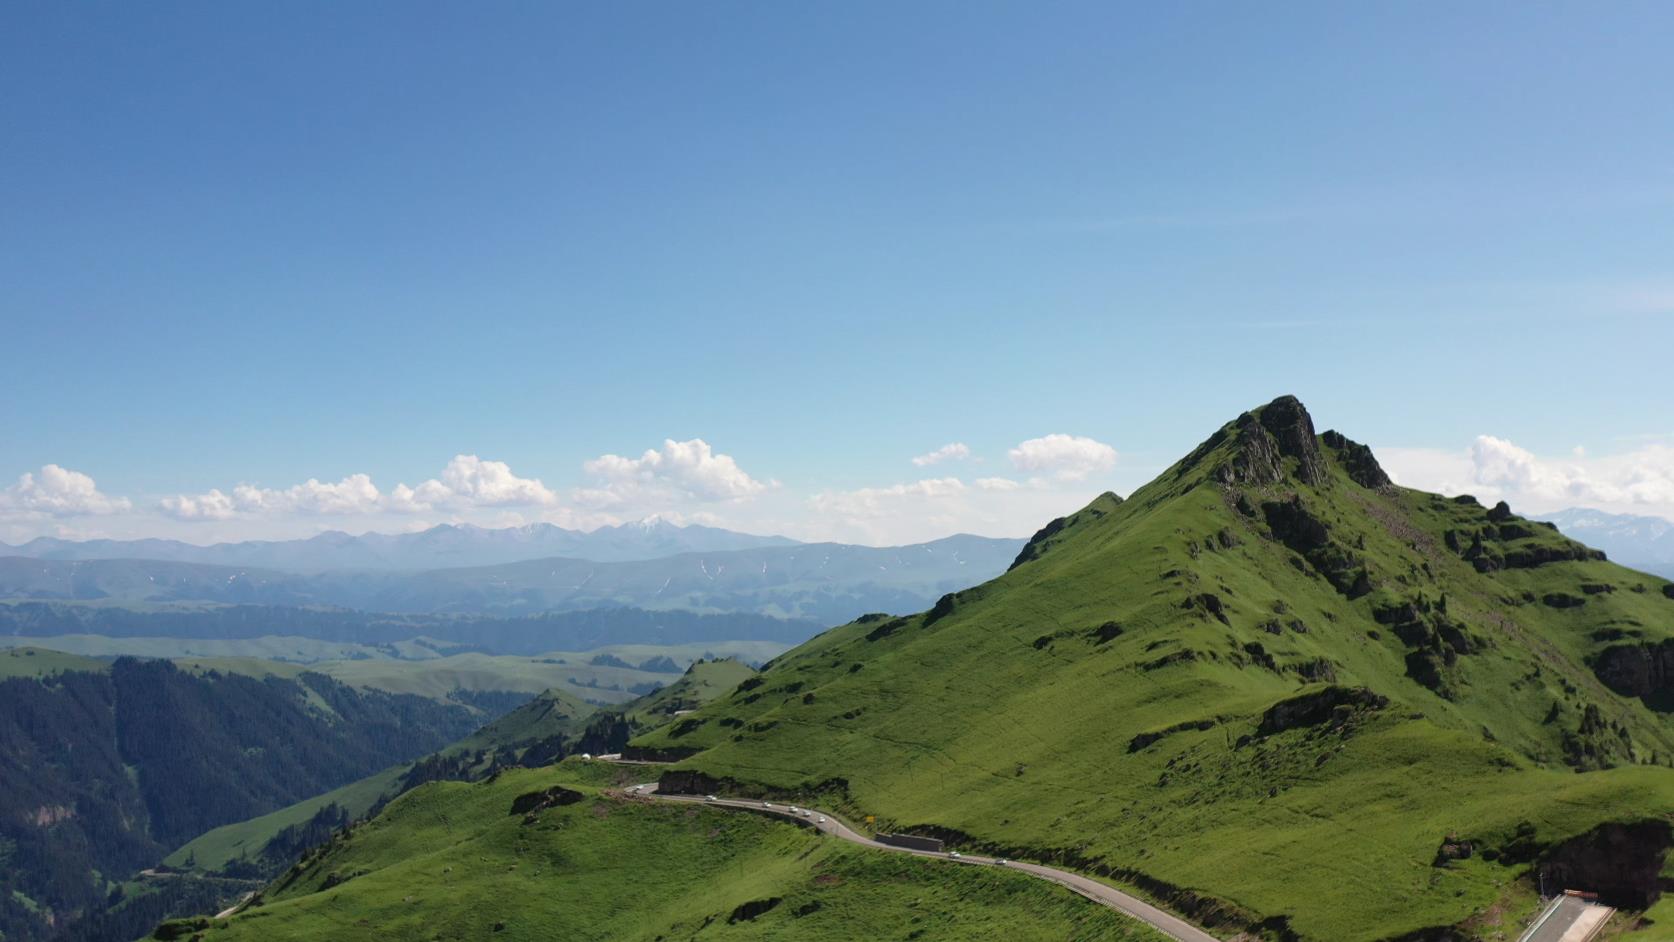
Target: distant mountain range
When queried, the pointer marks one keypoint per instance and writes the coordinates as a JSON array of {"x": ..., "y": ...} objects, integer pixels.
[
  {"x": 825, "y": 582},
  {"x": 440, "y": 547},
  {"x": 1645, "y": 543}
]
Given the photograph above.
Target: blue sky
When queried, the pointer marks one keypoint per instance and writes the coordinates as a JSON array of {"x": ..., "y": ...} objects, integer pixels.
[{"x": 262, "y": 245}]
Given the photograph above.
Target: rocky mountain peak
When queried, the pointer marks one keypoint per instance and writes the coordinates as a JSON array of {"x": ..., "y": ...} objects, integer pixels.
[{"x": 1265, "y": 437}]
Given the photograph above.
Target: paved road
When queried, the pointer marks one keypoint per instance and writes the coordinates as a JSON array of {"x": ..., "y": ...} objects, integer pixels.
[
  {"x": 1169, "y": 925},
  {"x": 1568, "y": 920}
]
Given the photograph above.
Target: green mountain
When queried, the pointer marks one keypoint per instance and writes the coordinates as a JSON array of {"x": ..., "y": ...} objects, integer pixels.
[
  {"x": 702, "y": 682},
  {"x": 1270, "y": 689}
]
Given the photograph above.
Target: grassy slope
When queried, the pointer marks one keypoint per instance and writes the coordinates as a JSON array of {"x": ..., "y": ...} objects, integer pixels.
[
  {"x": 1005, "y": 720},
  {"x": 215, "y": 849},
  {"x": 424, "y": 674},
  {"x": 38, "y": 662},
  {"x": 448, "y": 862},
  {"x": 553, "y": 712},
  {"x": 702, "y": 682}
]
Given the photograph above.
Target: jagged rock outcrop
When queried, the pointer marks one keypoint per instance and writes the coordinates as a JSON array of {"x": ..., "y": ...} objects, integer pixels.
[
  {"x": 1331, "y": 704},
  {"x": 1265, "y": 438},
  {"x": 745, "y": 912},
  {"x": 1357, "y": 459},
  {"x": 1294, "y": 525},
  {"x": 1622, "y": 863},
  {"x": 1037, "y": 543},
  {"x": 533, "y": 802},
  {"x": 1645, "y": 671},
  {"x": 1044, "y": 537},
  {"x": 1257, "y": 460},
  {"x": 1290, "y": 425}
]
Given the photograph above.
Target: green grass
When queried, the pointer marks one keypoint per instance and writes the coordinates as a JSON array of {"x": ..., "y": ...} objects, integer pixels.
[
  {"x": 417, "y": 670},
  {"x": 448, "y": 861},
  {"x": 39, "y": 662},
  {"x": 554, "y": 712},
  {"x": 1007, "y": 719},
  {"x": 702, "y": 682}
]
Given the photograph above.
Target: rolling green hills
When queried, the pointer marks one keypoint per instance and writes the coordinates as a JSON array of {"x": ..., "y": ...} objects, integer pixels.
[
  {"x": 1270, "y": 688},
  {"x": 557, "y": 853}
]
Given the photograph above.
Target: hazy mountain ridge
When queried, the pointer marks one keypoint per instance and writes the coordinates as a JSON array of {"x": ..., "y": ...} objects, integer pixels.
[
  {"x": 439, "y": 547},
  {"x": 1639, "y": 542},
  {"x": 826, "y": 582}
]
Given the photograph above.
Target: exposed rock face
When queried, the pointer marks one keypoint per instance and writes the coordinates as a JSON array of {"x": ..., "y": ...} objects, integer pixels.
[
  {"x": 1639, "y": 670},
  {"x": 1209, "y": 602},
  {"x": 1297, "y": 528},
  {"x": 1257, "y": 460},
  {"x": 552, "y": 797},
  {"x": 1321, "y": 706},
  {"x": 1145, "y": 739},
  {"x": 1358, "y": 460},
  {"x": 688, "y": 782},
  {"x": 1263, "y": 440},
  {"x": 756, "y": 907},
  {"x": 1290, "y": 425},
  {"x": 1619, "y": 862}
]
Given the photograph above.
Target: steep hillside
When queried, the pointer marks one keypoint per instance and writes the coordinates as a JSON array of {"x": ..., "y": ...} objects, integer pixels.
[
  {"x": 1270, "y": 688},
  {"x": 826, "y": 582},
  {"x": 104, "y": 771},
  {"x": 702, "y": 682},
  {"x": 556, "y": 853},
  {"x": 544, "y": 730}
]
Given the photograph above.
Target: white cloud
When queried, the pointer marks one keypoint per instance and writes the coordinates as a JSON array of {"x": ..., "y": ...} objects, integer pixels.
[
  {"x": 1494, "y": 468},
  {"x": 354, "y": 495},
  {"x": 58, "y": 492},
  {"x": 467, "y": 483},
  {"x": 930, "y": 508},
  {"x": 879, "y": 501},
  {"x": 1066, "y": 457},
  {"x": 689, "y": 470},
  {"x": 210, "y": 505},
  {"x": 952, "y": 451}
]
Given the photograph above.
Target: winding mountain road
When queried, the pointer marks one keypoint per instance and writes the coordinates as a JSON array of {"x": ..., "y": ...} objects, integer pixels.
[{"x": 1169, "y": 925}]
